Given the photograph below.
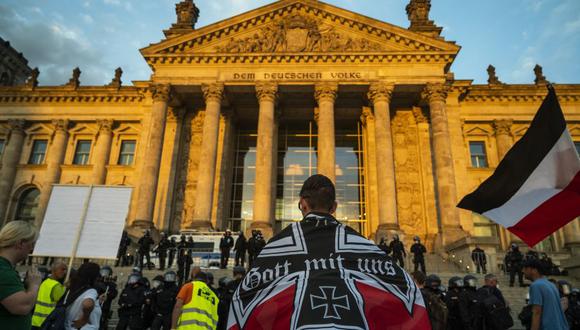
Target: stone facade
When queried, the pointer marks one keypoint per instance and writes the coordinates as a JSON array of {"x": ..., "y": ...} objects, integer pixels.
[{"x": 174, "y": 137}]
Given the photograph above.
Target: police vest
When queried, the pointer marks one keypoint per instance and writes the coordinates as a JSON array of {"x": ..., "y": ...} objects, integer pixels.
[
  {"x": 202, "y": 311},
  {"x": 44, "y": 303}
]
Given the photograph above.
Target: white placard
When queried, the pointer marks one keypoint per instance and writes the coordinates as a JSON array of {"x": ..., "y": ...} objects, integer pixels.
[{"x": 104, "y": 222}]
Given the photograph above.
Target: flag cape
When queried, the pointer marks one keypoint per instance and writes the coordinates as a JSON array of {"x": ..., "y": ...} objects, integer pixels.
[
  {"x": 535, "y": 189},
  {"x": 320, "y": 274}
]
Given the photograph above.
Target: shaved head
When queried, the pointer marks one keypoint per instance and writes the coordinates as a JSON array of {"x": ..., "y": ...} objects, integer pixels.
[{"x": 58, "y": 271}]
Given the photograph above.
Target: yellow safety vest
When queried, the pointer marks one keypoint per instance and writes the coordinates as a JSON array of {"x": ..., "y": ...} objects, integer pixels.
[
  {"x": 44, "y": 304},
  {"x": 202, "y": 311}
]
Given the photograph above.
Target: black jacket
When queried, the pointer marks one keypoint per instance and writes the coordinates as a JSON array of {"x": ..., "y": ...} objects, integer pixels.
[
  {"x": 418, "y": 250},
  {"x": 131, "y": 300},
  {"x": 226, "y": 242}
]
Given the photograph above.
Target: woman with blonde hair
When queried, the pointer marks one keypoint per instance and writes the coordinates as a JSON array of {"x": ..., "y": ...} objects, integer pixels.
[{"x": 17, "y": 299}]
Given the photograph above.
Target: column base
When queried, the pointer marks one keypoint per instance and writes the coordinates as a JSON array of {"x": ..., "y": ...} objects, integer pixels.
[
  {"x": 573, "y": 247},
  {"x": 387, "y": 230},
  {"x": 264, "y": 227}
]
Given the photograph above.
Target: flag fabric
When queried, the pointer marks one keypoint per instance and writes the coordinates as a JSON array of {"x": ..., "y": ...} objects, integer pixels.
[
  {"x": 535, "y": 189},
  {"x": 321, "y": 274}
]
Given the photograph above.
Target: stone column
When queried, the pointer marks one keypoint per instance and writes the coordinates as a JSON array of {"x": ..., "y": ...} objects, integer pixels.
[
  {"x": 325, "y": 94},
  {"x": 213, "y": 94},
  {"x": 54, "y": 160},
  {"x": 370, "y": 160},
  {"x": 10, "y": 160},
  {"x": 380, "y": 95},
  {"x": 504, "y": 143},
  {"x": 446, "y": 189},
  {"x": 152, "y": 160},
  {"x": 102, "y": 151},
  {"x": 265, "y": 171},
  {"x": 572, "y": 237}
]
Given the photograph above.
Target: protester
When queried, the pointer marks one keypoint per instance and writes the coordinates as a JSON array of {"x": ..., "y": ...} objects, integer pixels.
[
  {"x": 162, "y": 248},
  {"x": 398, "y": 250},
  {"x": 163, "y": 300},
  {"x": 495, "y": 310},
  {"x": 145, "y": 244},
  {"x": 17, "y": 299},
  {"x": 85, "y": 310},
  {"x": 240, "y": 247},
  {"x": 172, "y": 251},
  {"x": 50, "y": 292},
  {"x": 131, "y": 303},
  {"x": 418, "y": 251},
  {"x": 513, "y": 262},
  {"x": 544, "y": 298},
  {"x": 226, "y": 244},
  {"x": 321, "y": 274},
  {"x": 479, "y": 259},
  {"x": 469, "y": 305},
  {"x": 455, "y": 287},
  {"x": 107, "y": 288},
  {"x": 196, "y": 306}
]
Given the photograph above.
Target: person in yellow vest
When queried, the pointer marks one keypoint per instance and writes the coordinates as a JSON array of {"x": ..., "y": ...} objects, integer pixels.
[
  {"x": 50, "y": 292},
  {"x": 196, "y": 306}
]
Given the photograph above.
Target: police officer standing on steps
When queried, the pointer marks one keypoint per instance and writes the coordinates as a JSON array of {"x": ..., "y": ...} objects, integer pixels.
[
  {"x": 106, "y": 285},
  {"x": 181, "y": 256},
  {"x": 226, "y": 244},
  {"x": 163, "y": 299},
  {"x": 398, "y": 250},
  {"x": 418, "y": 250},
  {"x": 145, "y": 244},
  {"x": 240, "y": 248},
  {"x": 455, "y": 286},
  {"x": 131, "y": 304},
  {"x": 513, "y": 262},
  {"x": 162, "y": 248},
  {"x": 172, "y": 251},
  {"x": 252, "y": 248},
  {"x": 470, "y": 306},
  {"x": 479, "y": 259}
]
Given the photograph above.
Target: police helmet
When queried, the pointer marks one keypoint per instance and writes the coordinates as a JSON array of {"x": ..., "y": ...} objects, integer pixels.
[
  {"x": 133, "y": 278},
  {"x": 136, "y": 270},
  {"x": 433, "y": 281},
  {"x": 470, "y": 281},
  {"x": 455, "y": 282},
  {"x": 566, "y": 287},
  {"x": 106, "y": 271},
  {"x": 239, "y": 270},
  {"x": 157, "y": 281},
  {"x": 224, "y": 281},
  {"x": 416, "y": 239},
  {"x": 170, "y": 277}
]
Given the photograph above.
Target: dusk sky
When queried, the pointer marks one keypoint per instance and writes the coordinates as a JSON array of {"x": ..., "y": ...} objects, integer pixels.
[{"x": 101, "y": 35}]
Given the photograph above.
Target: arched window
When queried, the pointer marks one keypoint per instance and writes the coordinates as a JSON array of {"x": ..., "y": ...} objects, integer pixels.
[{"x": 28, "y": 204}]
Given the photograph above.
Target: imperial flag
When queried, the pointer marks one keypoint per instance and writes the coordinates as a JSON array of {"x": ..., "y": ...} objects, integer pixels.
[
  {"x": 535, "y": 189},
  {"x": 321, "y": 274}
]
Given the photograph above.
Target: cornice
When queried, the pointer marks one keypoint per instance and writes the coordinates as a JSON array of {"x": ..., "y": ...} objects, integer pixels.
[
  {"x": 514, "y": 93},
  {"x": 62, "y": 95}
]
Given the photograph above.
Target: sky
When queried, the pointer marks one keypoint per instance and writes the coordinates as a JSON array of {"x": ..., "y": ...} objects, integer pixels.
[{"x": 100, "y": 35}]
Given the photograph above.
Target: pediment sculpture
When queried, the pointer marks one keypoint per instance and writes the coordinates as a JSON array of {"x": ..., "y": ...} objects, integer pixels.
[{"x": 297, "y": 33}]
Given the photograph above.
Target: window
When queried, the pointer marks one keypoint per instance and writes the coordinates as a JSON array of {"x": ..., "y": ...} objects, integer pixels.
[
  {"x": 2, "y": 143},
  {"x": 127, "y": 153},
  {"x": 38, "y": 152},
  {"x": 28, "y": 205},
  {"x": 478, "y": 156},
  {"x": 576, "y": 143},
  {"x": 82, "y": 152}
]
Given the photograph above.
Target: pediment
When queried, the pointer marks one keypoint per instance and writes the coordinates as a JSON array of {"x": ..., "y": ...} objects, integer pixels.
[
  {"x": 478, "y": 131},
  {"x": 299, "y": 27}
]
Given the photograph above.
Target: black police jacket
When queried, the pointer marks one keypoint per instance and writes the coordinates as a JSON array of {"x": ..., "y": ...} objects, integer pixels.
[{"x": 131, "y": 300}]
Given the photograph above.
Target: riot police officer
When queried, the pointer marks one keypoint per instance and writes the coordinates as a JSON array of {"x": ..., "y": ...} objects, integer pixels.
[
  {"x": 455, "y": 286},
  {"x": 418, "y": 251},
  {"x": 252, "y": 248},
  {"x": 470, "y": 306},
  {"x": 172, "y": 251},
  {"x": 163, "y": 300},
  {"x": 107, "y": 283},
  {"x": 131, "y": 304},
  {"x": 162, "y": 248},
  {"x": 513, "y": 262},
  {"x": 434, "y": 296},
  {"x": 398, "y": 250}
]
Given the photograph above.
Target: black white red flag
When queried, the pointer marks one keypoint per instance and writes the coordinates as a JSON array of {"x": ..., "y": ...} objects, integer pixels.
[
  {"x": 321, "y": 274},
  {"x": 535, "y": 189}
]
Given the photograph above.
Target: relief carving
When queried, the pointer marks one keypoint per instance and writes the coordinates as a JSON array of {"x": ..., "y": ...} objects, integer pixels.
[{"x": 295, "y": 34}]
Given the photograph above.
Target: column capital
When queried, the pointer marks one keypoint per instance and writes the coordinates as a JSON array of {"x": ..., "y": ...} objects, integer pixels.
[
  {"x": 60, "y": 125},
  {"x": 267, "y": 91},
  {"x": 367, "y": 115},
  {"x": 161, "y": 92},
  {"x": 326, "y": 91},
  {"x": 105, "y": 125},
  {"x": 213, "y": 92},
  {"x": 435, "y": 92},
  {"x": 16, "y": 125},
  {"x": 420, "y": 117},
  {"x": 316, "y": 114},
  {"x": 380, "y": 91},
  {"x": 175, "y": 113},
  {"x": 502, "y": 126}
]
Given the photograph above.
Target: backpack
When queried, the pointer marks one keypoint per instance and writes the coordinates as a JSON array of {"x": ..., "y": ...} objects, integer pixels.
[
  {"x": 436, "y": 308},
  {"x": 525, "y": 316},
  {"x": 57, "y": 318},
  {"x": 496, "y": 314}
]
